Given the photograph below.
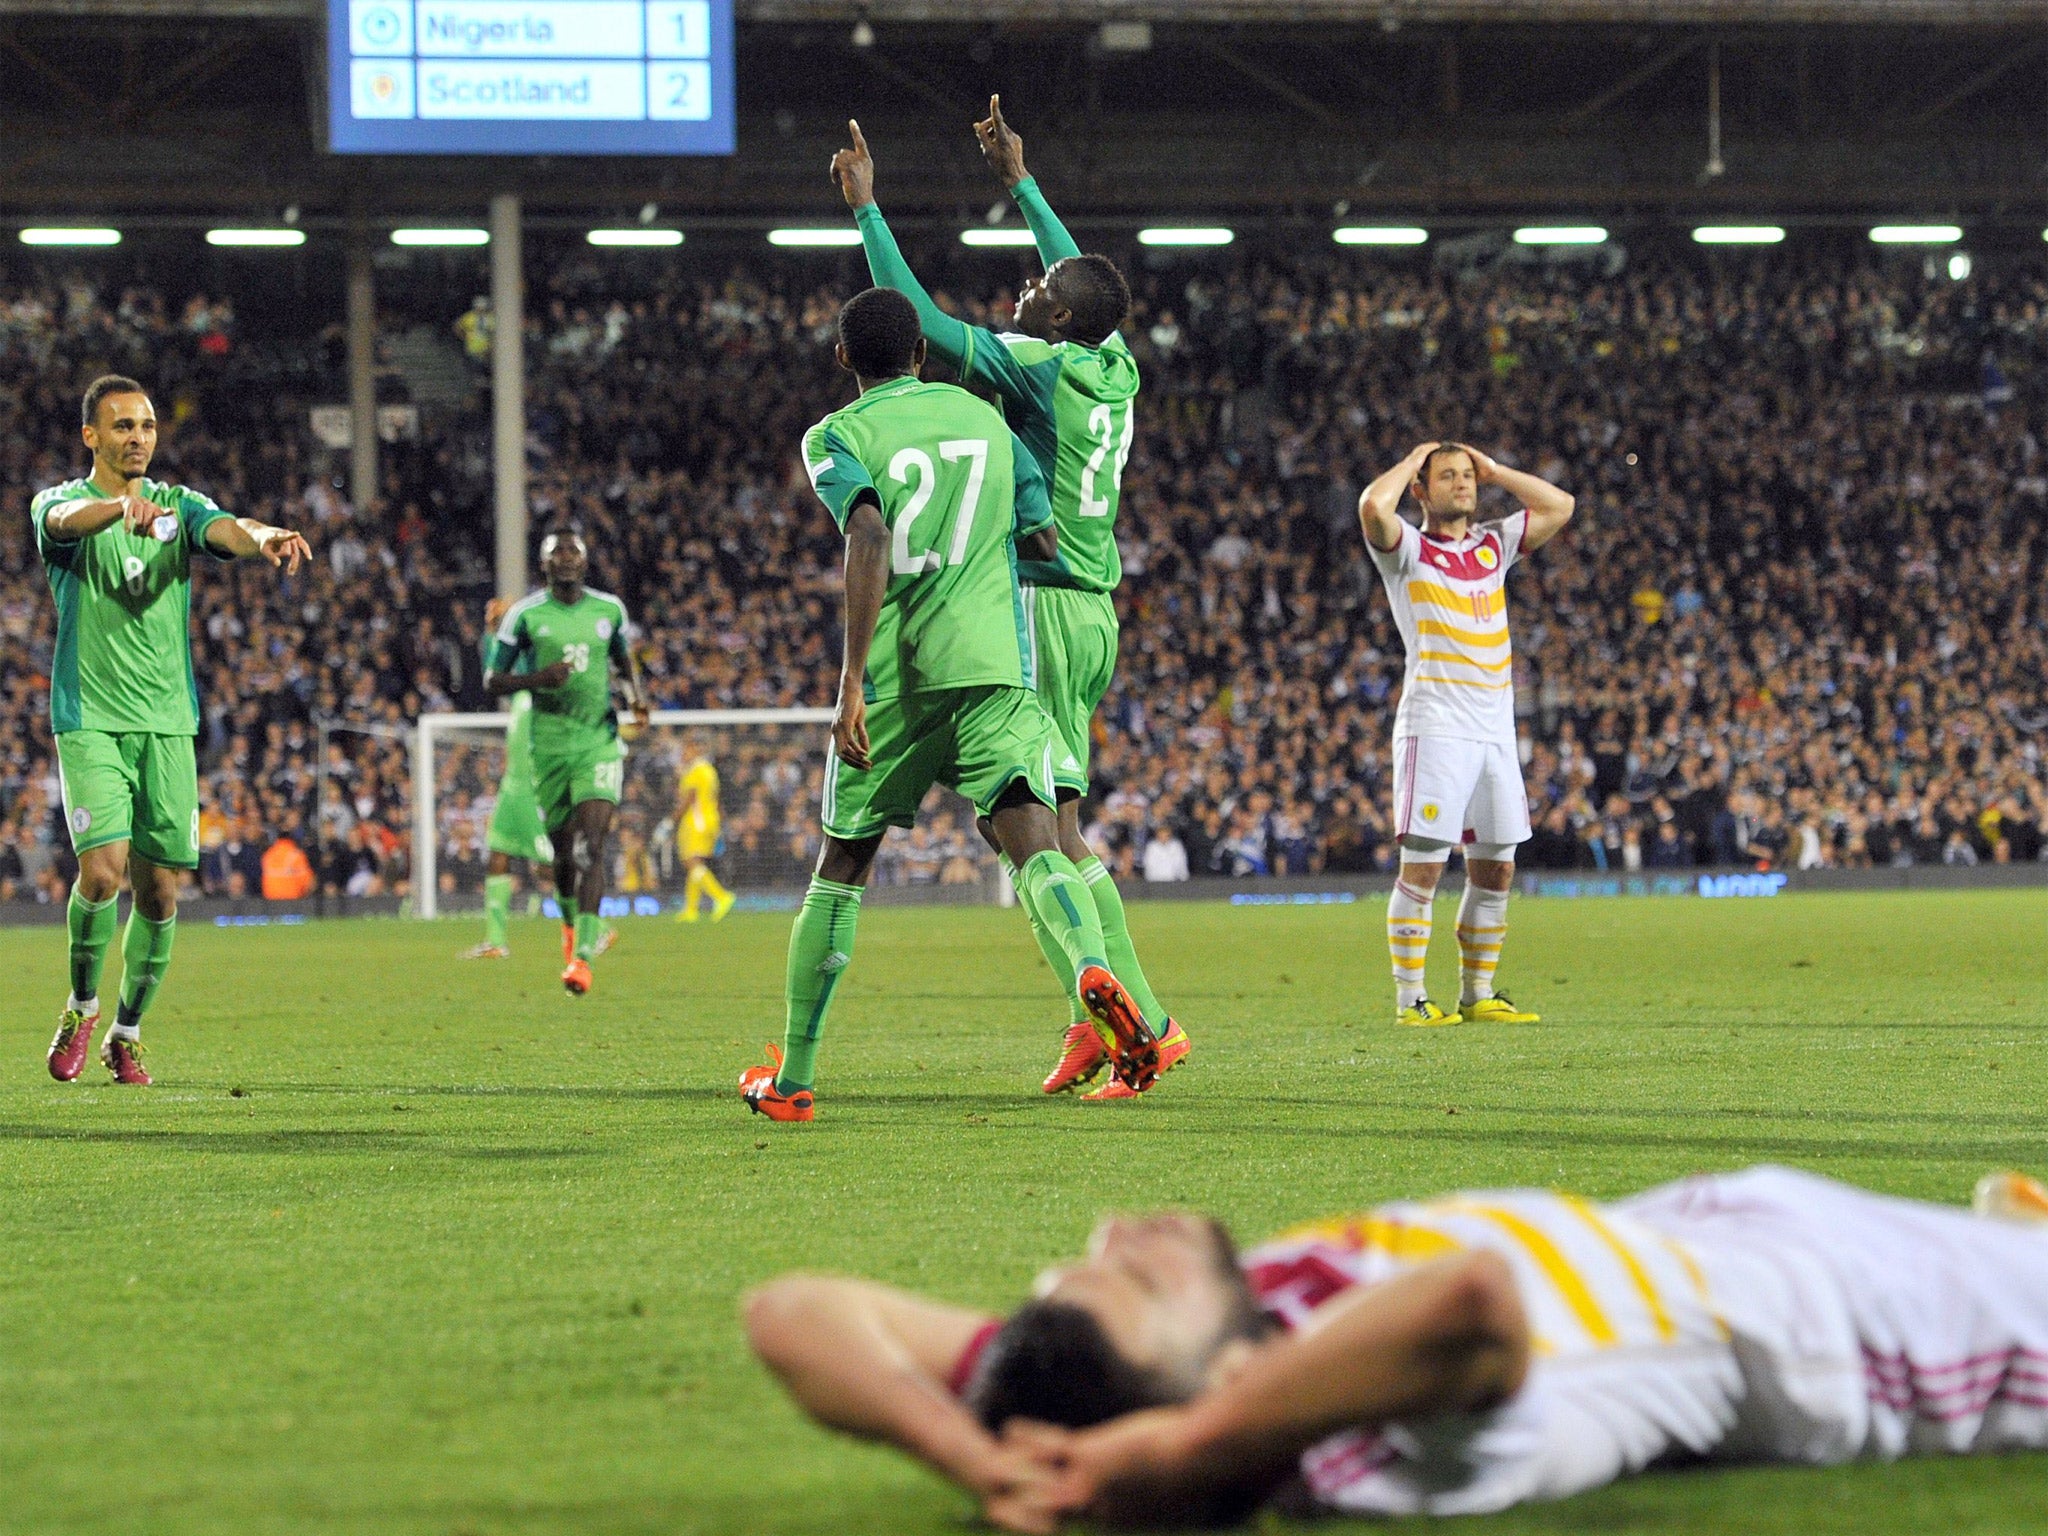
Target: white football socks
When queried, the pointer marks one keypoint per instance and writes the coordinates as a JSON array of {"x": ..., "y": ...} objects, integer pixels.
[
  {"x": 1482, "y": 929},
  {"x": 1408, "y": 941}
]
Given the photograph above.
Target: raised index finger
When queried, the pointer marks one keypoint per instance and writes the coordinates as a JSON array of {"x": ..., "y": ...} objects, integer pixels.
[
  {"x": 995, "y": 112},
  {"x": 859, "y": 142}
]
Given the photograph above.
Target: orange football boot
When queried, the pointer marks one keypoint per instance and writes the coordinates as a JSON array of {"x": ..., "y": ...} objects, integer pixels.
[
  {"x": 757, "y": 1087},
  {"x": 576, "y": 979},
  {"x": 1133, "y": 1048},
  {"x": 1082, "y": 1056},
  {"x": 1173, "y": 1050}
]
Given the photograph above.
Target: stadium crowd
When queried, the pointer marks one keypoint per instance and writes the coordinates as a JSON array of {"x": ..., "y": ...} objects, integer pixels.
[{"x": 1798, "y": 622}]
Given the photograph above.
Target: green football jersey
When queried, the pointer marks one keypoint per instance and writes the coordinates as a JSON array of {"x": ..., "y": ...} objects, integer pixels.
[
  {"x": 589, "y": 634},
  {"x": 124, "y": 657},
  {"x": 518, "y": 734},
  {"x": 957, "y": 490},
  {"x": 1073, "y": 405}
]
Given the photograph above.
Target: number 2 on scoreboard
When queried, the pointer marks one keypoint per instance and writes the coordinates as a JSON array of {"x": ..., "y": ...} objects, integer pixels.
[{"x": 679, "y": 91}]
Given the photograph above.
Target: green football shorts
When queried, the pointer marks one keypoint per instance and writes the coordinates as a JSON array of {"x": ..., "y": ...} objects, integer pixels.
[
  {"x": 976, "y": 740},
  {"x": 561, "y": 782},
  {"x": 135, "y": 787},
  {"x": 515, "y": 829},
  {"x": 1076, "y": 633}
]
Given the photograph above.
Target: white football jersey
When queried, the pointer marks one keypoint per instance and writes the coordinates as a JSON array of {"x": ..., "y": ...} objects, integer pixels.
[{"x": 1450, "y": 603}]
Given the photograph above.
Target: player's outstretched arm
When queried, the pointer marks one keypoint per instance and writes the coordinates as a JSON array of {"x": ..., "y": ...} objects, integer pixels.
[
  {"x": 1549, "y": 507},
  {"x": 82, "y": 519},
  {"x": 873, "y": 1361},
  {"x": 1379, "y": 506},
  {"x": 240, "y": 537},
  {"x": 854, "y": 171},
  {"x": 1449, "y": 1337},
  {"x": 1003, "y": 149}
]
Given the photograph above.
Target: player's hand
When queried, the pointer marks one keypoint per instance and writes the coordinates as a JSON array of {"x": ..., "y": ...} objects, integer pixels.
[
  {"x": 850, "y": 729},
  {"x": 1484, "y": 469},
  {"x": 1014, "y": 1484},
  {"x": 139, "y": 516},
  {"x": 551, "y": 676},
  {"x": 1127, "y": 1471},
  {"x": 1001, "y": 146},
  {"x": 280, "y": 546},
  {"x": 854, "y": 170}
]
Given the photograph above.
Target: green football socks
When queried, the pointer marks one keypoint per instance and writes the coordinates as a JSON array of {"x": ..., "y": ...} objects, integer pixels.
[
  {"x": 820, "y": 948},
  {"x": 145, "y": 956},
  {"x": 1058, "y": 897},
  {"x": 1116, "y": 937},
  {"x": 1055, "y": 956},
  {"x": 589, "y": 929},
  {"x": 497, "y": 908},
  {"x": 92, "y": 930},
  {"x": 568, "y": 906}
]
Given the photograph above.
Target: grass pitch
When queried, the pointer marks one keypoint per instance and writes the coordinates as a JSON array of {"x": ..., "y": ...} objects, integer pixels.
[{"x": 401, "y": 1244}]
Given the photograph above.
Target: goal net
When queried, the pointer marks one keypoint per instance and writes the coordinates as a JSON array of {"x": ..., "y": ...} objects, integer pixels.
[{"x": 770, "y": 766}]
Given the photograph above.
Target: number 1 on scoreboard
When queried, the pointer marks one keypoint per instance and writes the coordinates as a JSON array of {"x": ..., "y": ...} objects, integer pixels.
[{"x": 678, "y": 29}]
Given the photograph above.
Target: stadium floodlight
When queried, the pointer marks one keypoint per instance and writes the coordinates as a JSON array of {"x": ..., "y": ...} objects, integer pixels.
[
  {"x": 440, "y": 237},
  {"x": 1916, "y": 234},
  {"x": 1379, "y": 234},
  {"x": 1739, "y": 234},
  {"x": 1959, "y": 266},
  {"x": 635, "y": 237},
  {"x": 1560, "y": 234},
  {"x": 50, "y": 236},
  {"x": 1194, "y": 235},
  {"x": 997, "y": 237},
  {"x": 280, "y": 237},
  {"x": 805, "y": 238}
]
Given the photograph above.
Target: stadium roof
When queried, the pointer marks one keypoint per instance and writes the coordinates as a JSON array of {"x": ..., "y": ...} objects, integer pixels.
[{"x": 185, "y": 109}]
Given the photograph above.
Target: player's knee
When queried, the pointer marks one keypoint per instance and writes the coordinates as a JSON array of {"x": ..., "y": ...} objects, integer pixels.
[
  {"x": 1422, "y": 861},
  {"x": 1491, "y": 866}
]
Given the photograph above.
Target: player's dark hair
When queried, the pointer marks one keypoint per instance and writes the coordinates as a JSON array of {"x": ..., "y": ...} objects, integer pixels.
[
  {"x": 107, "y": 384},
  {"x": 1052, "y": 1362},
  {"x": 879, "y": 329},
  {"x": 1095, "y": 292},
  {"x": 1429, "y": 459}
]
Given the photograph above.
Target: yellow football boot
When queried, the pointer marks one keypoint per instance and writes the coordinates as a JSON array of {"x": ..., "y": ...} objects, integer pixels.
[
  {"x": 1426, "y": 1015},
  {"x": 1496, "y": 1010}
]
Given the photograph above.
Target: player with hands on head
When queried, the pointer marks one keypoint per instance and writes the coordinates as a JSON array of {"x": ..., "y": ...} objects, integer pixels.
[
  {"x": 937, "y": 501},
  {"x": 1068, "y": 385},
  {"x": 1457, "y": 779},
  {"x": 572, "y": 640},
  {"x": 124, "y": 703}
]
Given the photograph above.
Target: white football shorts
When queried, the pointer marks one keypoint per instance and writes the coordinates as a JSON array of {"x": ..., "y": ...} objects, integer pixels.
[{"x": 1456, "y": 791}]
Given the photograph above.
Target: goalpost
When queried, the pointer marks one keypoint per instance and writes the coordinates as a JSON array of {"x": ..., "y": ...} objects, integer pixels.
[{"x": 770, "y": 765}]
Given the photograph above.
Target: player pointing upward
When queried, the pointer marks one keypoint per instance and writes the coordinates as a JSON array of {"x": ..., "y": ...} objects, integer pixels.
[
  {"x": 1456, "y": 776},
  {"x": 1068, "y": 386},
  {"x": 124, "y": 704}
]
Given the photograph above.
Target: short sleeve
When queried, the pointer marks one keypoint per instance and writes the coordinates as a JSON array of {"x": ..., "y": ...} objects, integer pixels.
[
  {"x": 511, "y": 642},
  {"x": 1034, "y": 498},
  {"x": 1511, "y": 529},
  {"x": 1403, "y": 558},
  {"x": 197, "y": 512},
  {"x": 837, "y": 474},
  {"x": 53, "y": 551},
  {"x": 1022, "y": 369}
]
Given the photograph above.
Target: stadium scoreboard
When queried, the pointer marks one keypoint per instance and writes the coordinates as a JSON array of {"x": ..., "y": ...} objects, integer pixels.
[{"x": 530, "y": 77}]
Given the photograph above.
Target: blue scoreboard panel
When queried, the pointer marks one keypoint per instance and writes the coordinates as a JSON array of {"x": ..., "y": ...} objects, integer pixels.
[{"x": 530, "y": 77}]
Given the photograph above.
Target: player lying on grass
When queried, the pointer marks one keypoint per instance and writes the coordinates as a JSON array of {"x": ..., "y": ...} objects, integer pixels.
[
  {"x": 937, "y": 500},
  {"x": 1451, "y": 1356},
  {"x": 561, "y": 644},
  {"x": 124, "y": 704},
  {"x": 1068, "y": 385},
  {"x": 1457, "y": 780}
]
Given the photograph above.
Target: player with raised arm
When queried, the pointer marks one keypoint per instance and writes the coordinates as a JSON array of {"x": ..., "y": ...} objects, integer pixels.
[
  {"x": 571, "y": 638},
  {"x": 515, "y": 831},
  {"x": 1457, "y": 780},
  {"x": 124, "y": 704},
  {"x": 1449, "y": 1356},
  {"x": 1068, "y": 386},
  {"x": 937, "y": 500}
]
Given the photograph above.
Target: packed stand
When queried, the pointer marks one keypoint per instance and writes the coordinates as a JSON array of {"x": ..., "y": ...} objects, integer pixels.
[{"x": 1797, "y": 622}]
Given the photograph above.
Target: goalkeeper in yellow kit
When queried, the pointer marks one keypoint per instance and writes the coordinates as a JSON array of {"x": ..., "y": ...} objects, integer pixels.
[{"x": 699, "y": 835}]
